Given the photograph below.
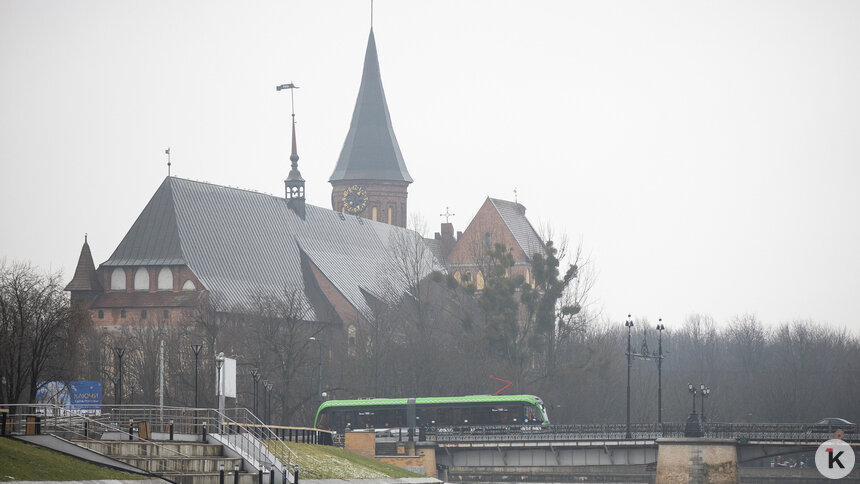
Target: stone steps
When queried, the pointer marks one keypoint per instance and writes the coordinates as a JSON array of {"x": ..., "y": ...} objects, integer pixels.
[
  {"x": 180, "y": 465},
  {"x": 180, "y": 462},
  {"x": 163, "y": 449}
]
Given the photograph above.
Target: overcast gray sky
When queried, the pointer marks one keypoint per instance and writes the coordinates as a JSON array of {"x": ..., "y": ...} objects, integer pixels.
[{"x": 706, "y": 153}]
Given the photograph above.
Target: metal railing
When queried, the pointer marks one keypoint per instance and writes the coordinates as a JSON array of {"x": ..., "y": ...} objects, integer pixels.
[
  {"x": 36, "y": 419},
  {"x": 746, "y": 431},
  {"x": 237, "y": 428}
]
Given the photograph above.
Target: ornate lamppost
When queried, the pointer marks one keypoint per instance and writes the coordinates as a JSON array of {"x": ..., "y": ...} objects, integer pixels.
[
  {"x": 693, "y": 428},
  {"x": 706, "y": 392},
  {"x": 660, "y": 329},
  {"x": 629, "y": 324}
]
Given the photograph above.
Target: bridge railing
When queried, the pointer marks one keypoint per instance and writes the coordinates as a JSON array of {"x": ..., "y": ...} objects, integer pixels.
[
  {"x": 638, "y": 431},
  {"x": 774, "y": 431}
]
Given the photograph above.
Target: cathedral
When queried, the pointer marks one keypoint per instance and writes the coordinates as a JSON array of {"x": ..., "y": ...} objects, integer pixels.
[{"x": 198, "y": 243}]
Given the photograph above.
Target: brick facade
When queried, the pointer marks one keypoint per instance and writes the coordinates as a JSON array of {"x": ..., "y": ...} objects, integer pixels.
[
  {"x": 485, "y": 229},
  {"x": 381, "y": 194}
]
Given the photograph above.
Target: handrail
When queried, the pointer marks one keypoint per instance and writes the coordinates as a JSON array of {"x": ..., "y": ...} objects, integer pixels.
[
  {"x": 260, "y": 445},
  {"x": 58, "y": 417}
]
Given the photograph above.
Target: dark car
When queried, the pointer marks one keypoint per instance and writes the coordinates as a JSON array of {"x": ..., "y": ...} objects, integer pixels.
[{"x": 831, "y": 425}]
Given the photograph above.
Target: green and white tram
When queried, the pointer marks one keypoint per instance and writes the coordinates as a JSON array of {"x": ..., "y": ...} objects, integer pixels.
[{"x": 380, "y": 413}]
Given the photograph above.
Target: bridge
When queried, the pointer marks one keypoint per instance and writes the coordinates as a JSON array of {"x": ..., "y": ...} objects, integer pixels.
[{"x": 556, "y": 452}]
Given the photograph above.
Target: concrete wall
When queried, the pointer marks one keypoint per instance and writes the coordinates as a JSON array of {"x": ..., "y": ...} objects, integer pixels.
[
  {"x": 362, "y": 443},
  {"x": 697, "y": 461}
]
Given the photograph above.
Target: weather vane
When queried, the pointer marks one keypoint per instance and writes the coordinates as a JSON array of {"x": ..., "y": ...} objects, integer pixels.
[
  {"x": 291, "y": 87},
  {"x": 167, "y": 152}
]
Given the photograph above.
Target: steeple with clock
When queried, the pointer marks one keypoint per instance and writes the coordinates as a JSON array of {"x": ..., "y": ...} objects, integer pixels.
[{"x": 370, "y": 179}]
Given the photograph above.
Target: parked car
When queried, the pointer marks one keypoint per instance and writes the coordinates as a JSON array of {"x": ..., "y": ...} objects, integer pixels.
[{"x": 832, "y": 424}]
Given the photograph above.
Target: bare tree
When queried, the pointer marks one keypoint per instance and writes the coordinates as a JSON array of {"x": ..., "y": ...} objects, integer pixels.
[{"x": 38, "y": 329}]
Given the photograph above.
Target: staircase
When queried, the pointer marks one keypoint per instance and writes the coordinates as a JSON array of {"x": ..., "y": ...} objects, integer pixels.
[
  {"x": 182, "y": 445},
  {"x": 179, "y": 462}
]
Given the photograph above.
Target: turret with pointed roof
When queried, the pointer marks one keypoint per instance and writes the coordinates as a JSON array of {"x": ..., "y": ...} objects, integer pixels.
[
  {"x": 371, "y": 159},
  {"x": 85, "y": 284}
]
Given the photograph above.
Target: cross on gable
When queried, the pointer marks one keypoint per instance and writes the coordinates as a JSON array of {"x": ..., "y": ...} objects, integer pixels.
[{"x": 447, "y": 214}]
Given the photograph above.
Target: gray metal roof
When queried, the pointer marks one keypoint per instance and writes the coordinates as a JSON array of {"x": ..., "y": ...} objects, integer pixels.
[
  {"x": 371, "y": 151},
  {"x": 514, "y": 216},
  {"x": 240, "y": 243}
]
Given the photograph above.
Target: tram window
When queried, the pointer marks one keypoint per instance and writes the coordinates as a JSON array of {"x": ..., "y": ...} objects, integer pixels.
[
  {"x": 365, "y": 419},
  {"x": 323, "y": 421},
  {"x": 426, "y": 415},
  {"x": 390, "y": 417}
]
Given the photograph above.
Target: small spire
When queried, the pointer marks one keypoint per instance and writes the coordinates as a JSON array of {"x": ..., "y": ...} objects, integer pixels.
[
  {"x": 294, "y": 184},
  {"x": 167, "y": 152},
  {"x": 85, "y": 237},
  {"x": 294, "y": 157}
]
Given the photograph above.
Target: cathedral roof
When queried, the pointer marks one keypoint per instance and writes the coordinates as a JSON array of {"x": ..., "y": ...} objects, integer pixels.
[
  {"x": 242, "y": 243},
  {"x": 370, "y": 151},
  {"x": 85, "y": 278},
  {"x": 514, "y": 216}
]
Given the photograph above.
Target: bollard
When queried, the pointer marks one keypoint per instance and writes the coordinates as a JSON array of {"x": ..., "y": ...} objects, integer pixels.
[
  {"x": 131, "y": 429},
  {"x": 204, "y": 431},
  {"x": 236, "y": 474},
  {"x": 284, "y": 481},
  {"x": 171, "y": 430},
  {"x": 296, "y": 474},
  {"x": 38, "y": 425},
  {"x": 260, "y": 475},
  {"x": 272, "y": 475},
  {"x": 221, "y": 474}
]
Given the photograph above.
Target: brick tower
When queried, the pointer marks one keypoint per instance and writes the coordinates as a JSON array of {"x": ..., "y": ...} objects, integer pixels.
[{"x": 370, "y": 179}]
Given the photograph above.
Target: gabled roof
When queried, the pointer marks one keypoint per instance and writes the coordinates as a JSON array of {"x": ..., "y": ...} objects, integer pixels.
[
  {"x": 514, "y": 216},
  {"x": 370, "y": 151},
  {"x": 240, "y": 243},
  {"x": 85, "y": 278}
]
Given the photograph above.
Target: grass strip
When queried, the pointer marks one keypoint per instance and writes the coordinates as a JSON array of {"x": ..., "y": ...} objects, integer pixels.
[
  {"x": 20, "y": 461},
  {"x": 327, "y": 462}
]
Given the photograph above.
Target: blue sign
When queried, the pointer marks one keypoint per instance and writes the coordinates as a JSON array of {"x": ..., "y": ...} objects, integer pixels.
[
  {"x": 85, "y": 395},
  {"x": 74, "y": 395}
]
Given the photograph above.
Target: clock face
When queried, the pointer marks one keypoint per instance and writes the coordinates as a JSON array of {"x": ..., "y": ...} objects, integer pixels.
[{"x": 354, "y": 199}]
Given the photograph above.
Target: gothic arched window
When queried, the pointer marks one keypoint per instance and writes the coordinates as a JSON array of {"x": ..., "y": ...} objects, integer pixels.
[
  {"x": 141, "y": 279},
  {"x": 117, "y": 279},
  {"x": 165, "y": 279}
]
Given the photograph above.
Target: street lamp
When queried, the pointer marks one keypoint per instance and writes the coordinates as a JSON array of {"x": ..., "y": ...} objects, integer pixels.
[
  {"x": 266, "y": 402},
  {"x": 629, "y": 324},
  {"x": 706, "y": 391},
  {"x": 269, "y": 386},
  {"x": 119, "y": 351},
  {"x": 319, "y": 375},
  {"x": 660, "y": 329},
  {"x": 219, "y": 391},
  {"x": 255, "y": 374},
  {"x": 692, "y": 389},
  {"x": 196, "y": 349},
  {"x": 693, "y": 427}
]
